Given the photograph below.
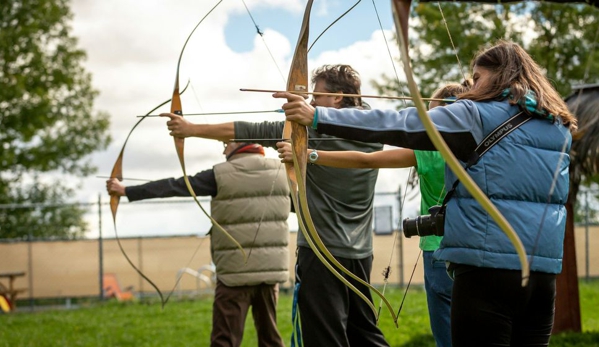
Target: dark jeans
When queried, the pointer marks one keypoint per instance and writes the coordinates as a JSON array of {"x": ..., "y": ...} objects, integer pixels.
[
  {"x": 230, "y": 308},
  {"x": 489, "y": 307},
  {"x": 331, "y": 314},
  {"x": 438, "y": 286}
]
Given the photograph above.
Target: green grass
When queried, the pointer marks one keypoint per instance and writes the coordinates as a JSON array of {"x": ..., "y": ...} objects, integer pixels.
[{"x": 188, "y": 323}]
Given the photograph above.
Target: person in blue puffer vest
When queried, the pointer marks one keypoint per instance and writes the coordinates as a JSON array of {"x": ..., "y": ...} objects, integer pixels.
[{"x": 525, "y": 175}]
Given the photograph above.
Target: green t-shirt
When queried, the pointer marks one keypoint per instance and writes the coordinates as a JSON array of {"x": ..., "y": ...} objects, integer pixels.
[{"x": 431, "y": 170}]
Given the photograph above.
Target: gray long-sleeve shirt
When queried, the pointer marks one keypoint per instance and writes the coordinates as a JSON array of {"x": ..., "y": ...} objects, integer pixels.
[{"x": 340, "y": 200}]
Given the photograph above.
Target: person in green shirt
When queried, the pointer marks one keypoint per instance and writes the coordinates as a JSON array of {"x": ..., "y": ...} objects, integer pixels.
[{"x": 430, "y": 167}]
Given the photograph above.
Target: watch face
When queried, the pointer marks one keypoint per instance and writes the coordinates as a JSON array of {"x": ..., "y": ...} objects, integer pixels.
[{"x": 313, "y": 156}]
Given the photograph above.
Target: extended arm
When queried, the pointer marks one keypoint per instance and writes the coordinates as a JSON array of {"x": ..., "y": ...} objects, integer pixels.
[
  {"x": 181, "y": 127},
  {"x": 394, "y": 158},
  {"x": 459, "y": 124},
  {"x": 203, "y": 184}
]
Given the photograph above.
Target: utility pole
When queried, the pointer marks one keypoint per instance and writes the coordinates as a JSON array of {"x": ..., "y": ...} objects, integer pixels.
[{"x": 400, "y": 241}]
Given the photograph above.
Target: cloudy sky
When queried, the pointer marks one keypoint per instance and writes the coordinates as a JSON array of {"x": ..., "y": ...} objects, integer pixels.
[{"x": 133, "y": 47}]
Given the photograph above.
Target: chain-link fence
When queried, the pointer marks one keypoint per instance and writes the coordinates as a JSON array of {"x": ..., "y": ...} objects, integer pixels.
[{"x": 166, "y": 239}]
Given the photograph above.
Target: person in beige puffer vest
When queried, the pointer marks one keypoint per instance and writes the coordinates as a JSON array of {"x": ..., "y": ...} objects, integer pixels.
[{"x": 250, "y": 200}]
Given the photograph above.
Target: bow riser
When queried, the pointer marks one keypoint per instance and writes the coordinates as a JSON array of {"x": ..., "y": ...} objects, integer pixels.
[
  {"x": 298, "y": 81},
  {"x": 117, "y": 172},
  {"x": 177, "y": 108}
]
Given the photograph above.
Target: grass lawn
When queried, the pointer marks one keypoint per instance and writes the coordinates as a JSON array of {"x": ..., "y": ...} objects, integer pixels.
[{"x": 188, "y": 323}]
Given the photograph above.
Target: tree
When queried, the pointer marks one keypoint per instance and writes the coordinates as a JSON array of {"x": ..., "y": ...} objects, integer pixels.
[
  {"x": 46, "y": 122},
  {"x": 560, "y": 37}
]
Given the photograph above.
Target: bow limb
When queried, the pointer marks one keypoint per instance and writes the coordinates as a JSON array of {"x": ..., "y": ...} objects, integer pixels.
[
  {"x": 117, "y": 168},
  {"x": 401, "y": 15},
  {"x": 296, "y": 172},
  {"x": 176, "y": 108},
  {"x": 117, "y": 172}
]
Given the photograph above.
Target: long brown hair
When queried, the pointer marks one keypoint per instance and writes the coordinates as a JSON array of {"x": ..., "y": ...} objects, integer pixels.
[{"x": 513, "y": 68}]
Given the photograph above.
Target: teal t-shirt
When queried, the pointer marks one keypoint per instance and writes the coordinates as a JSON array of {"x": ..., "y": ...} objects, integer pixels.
[{"x": 431, "y": 170}]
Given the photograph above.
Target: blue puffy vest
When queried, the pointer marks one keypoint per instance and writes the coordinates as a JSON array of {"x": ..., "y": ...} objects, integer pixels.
[{"x": 517, "y": 175}]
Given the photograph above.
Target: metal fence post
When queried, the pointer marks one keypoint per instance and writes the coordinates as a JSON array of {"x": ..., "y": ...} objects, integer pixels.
[
  {"x": 30, "y": 269},
  {"x": 400, "y": 243},
  {"x": 140, "y": 262},
  {"x": 586, "y": 235},
  {"x": 100, "y": 248}
]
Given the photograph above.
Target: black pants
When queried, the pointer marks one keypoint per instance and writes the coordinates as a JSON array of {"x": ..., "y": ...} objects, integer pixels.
[
  {"x": 489, "y": 307},
  {"x": 331, "y": 314}
]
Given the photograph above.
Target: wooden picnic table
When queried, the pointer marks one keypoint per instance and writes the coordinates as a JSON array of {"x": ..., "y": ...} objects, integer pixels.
[{"x": 9, "y": 290}]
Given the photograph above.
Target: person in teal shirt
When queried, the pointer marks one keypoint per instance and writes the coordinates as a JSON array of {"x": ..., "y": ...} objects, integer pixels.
[{"x": 430, "y": 167}]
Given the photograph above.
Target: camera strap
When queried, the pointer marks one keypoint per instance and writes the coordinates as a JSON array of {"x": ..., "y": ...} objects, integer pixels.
[{"x": 503, "y": 130}]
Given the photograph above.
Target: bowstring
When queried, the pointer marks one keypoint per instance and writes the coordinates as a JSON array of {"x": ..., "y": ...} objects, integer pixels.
[
  {"x": 114, "y": 212},
  {"x": 455, "y": 50},
  {"x": 387, "y": 270},
  {"x": 182, "y": 165},
  {"x": 272, "y": 188},
  {"x": 464, "y": 77},
  {"x": 195, "y": 95},
  {"x": 330, "y": 25},
  {"x": 178, "y": 280},
  {"x": 261, "y": 33},
  {"x": 197, "y": 249},
  {"x": 405, "y": 104}
]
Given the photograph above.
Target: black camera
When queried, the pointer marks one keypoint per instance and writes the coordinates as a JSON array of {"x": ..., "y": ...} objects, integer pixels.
[{"x": 427, "y": 225}]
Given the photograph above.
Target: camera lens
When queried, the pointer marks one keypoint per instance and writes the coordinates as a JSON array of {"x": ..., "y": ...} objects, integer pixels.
[{"x": 420, "y": 226}]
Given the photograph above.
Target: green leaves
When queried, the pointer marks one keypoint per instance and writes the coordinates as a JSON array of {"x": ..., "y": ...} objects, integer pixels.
[
  {"x": 46, "y": 119},
  {"x": 561, "y": 38}
]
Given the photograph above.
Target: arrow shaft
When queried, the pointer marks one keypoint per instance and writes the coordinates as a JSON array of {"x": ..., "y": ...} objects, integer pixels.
[
  {"x": 344, "y": 95},
  {"x": 221, "y": 113}
]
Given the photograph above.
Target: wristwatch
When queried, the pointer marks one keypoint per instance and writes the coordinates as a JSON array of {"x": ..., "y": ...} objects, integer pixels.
[{"x": 313, "y": 156}]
